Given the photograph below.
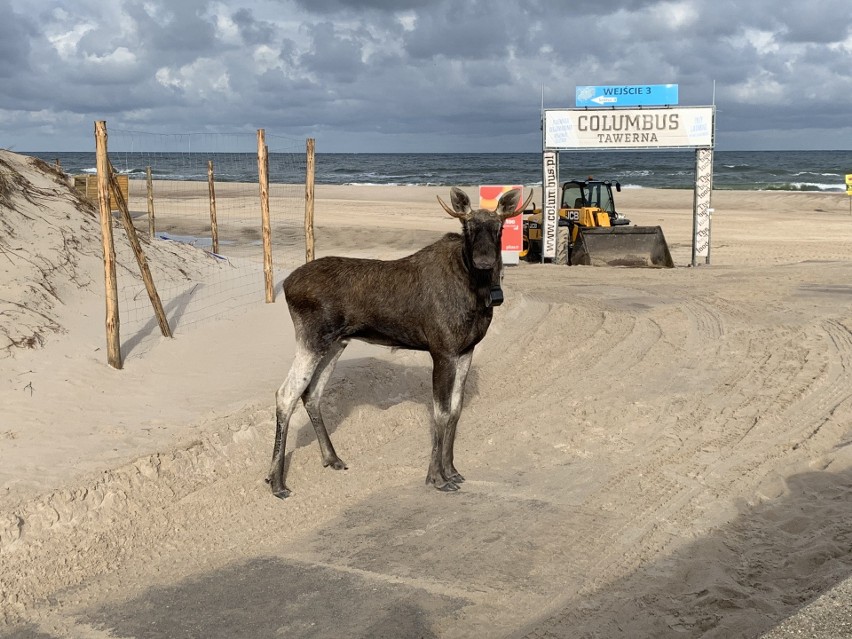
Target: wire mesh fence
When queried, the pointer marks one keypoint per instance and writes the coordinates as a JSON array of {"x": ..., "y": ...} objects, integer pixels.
[{"x": 202, "y": 190}]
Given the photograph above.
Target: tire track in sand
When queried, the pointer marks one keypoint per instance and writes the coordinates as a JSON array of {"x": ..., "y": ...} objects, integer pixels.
[{"x": 709, "y": 454}]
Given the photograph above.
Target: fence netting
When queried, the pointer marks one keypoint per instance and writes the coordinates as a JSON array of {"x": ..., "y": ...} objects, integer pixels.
[{"x": 232, "y": 277}]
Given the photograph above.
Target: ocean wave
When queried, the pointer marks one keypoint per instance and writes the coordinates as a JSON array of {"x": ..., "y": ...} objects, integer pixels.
[
  {"x": 804, "y": 186},
  {"x": 783, "y": 170},
  {"x": 814, "y": 174}
]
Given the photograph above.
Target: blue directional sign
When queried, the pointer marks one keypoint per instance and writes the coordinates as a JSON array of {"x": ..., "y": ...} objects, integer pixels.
[{"x": 627, "y": 95}]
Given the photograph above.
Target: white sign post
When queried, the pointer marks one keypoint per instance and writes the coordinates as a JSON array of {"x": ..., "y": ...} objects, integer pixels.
[
  {"x": 550, "y": 203},
  {"x": 701, "y": 205}
]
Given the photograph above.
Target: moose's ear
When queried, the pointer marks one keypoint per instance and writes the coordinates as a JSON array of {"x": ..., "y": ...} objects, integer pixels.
[
  {"x": 460, "y": 200},
  {"x": 461, "y": 204},
  {"x": 508, "y": 204}
]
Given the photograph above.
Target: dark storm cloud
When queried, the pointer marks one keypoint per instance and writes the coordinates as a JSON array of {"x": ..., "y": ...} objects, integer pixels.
[
  {"x": 336, "y": 55},
  {"x": 253, "y": 31},
  {"x": 15, "y": 33},
  {"x": 453, "y": 74},
  {"x": 818, "y": 21},
  {"x": 175, "y": 30},
  {"x": 470, "y": 34},
  {"x": 334, "y": 6}
]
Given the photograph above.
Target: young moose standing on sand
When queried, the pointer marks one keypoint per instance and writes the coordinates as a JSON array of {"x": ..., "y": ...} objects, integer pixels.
[{"x": 440, "y": 299}]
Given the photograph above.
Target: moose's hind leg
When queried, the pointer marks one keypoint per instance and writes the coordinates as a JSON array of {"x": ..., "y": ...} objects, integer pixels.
[
  {"x": 300, "y": 375},
  {"x": 312, "y": 397}
]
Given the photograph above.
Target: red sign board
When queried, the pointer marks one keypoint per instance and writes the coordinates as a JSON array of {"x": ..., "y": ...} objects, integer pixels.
[{"x": 513, "y": 232}]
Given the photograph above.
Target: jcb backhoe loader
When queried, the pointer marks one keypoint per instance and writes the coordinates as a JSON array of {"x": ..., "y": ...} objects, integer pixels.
[{"x": 592, "y": 232}]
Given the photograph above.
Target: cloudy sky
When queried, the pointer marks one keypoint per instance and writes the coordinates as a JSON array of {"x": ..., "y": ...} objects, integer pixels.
[{"x": 415, "y": 75}]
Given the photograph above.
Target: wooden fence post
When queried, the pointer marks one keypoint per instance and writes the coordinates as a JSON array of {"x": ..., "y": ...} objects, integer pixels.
[
  {"x": 214, "y": 226},
  {"x": 149, "y": 183},
  {"x": 309, "y": 201},
  {"x": 127, "y": 222},
  {"x": 263, "y": 178},
  {"x": 110, "y": 282}
]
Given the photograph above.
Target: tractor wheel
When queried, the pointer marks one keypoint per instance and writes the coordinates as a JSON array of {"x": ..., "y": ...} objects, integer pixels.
[{"x": 562, "y": 235}]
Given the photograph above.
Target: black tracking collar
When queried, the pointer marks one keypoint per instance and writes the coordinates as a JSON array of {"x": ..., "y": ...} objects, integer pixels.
[{"x": 496, "y": 296}]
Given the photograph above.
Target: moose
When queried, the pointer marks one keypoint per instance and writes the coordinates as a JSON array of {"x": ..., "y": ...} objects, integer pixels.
[{"x": 440, "y": 299}]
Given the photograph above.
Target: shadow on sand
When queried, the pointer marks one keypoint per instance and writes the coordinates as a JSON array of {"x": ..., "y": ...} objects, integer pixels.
[{"x": 741, "y": 580}]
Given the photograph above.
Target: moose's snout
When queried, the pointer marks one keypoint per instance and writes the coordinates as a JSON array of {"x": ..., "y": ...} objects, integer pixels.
[
  {"x": 485, "y": 248},
  {"x": 484, "y": 262}
]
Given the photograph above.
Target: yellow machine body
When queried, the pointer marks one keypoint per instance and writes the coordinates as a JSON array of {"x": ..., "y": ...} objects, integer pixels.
[{"x": 593, "y": 235}]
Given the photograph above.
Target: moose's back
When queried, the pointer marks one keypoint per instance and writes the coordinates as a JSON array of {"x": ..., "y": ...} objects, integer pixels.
[{"x": 417, "y": 302}]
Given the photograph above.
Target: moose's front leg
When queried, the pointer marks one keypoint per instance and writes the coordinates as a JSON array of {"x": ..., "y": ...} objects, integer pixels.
[
  {"x": 456, "y": 403},
  {"x": 443, "y": 384}
]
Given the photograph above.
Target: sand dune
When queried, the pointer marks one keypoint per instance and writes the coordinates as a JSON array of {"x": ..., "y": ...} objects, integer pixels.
[{"x": 650, "y": 453}]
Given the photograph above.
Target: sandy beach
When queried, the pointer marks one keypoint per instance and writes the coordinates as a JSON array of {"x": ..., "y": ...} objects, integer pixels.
[{"x": 649, "y": 453}]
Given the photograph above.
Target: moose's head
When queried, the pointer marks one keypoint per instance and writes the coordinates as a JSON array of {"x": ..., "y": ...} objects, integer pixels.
[{"x": 482, "y": 228}]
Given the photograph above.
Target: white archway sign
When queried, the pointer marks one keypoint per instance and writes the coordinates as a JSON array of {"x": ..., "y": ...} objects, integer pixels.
[{"x": 629, "y": 129}]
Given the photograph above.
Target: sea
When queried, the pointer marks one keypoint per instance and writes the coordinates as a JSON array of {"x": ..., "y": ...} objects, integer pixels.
[{"x": 735, "y": 170}]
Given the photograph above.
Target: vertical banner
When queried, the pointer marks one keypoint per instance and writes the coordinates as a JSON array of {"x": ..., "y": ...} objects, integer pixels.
[
  {"x": 513, "y": 236},
  {"x": 550, "y": 203},
  {"x": 701, "y": 211}
]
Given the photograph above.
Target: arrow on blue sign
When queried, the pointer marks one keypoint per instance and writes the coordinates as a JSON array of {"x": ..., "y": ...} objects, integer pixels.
[{"x": 627, "y": 95}]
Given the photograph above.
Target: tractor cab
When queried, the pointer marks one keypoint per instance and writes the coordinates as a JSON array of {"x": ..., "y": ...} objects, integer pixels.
[{"x": 577, "y": 194}]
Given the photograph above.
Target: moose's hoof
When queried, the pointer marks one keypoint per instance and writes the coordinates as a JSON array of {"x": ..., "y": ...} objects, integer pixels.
[
  {"x": 284, "y": 493},
  {"x": 456, "y": 478},
  {"x": 439, "y": 482},
  {"x": 336, "y": 464}
]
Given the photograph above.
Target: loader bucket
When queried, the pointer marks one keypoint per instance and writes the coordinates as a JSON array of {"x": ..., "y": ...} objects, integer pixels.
[{"x": 635, "y": 246}]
